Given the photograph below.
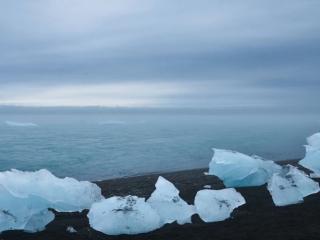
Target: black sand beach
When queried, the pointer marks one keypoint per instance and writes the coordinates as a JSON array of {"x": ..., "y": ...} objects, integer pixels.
[{"x": 258, "y": 219}]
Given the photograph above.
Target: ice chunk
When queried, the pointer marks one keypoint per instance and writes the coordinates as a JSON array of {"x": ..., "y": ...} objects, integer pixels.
[
  {"x": 28, "y": 213},
  {"x": 312, "y": 156},
  {"x": 290, "y": 186},
  {"x": 20, "y": 124},
  {"x": 314, "y": 140},
  {"x": 123, "y": 215},
  {"x": 38, "y": 221},
  {"x": 71, "y": 229},
  {"x": 282, "y": 191},
  {"x": 63, "y": 194},
  {"x": 298, "y": 178},
  {"x": 26, "y": 196},
  {"x": 311, "y": 160},
  {"x": 238, "y": 170},
  {"x": 167, "y": 202},
  {"x": 217, "y": 205}
]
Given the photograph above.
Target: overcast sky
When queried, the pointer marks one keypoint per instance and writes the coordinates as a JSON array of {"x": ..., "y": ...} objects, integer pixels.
[{"x": 160, "y": 53}]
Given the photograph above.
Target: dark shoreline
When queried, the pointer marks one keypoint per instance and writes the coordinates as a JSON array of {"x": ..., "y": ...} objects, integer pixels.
[{"x": 258, "y": 219}]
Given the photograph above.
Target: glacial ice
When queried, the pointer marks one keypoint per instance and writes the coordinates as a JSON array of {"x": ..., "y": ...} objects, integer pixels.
[
  {"x": 311, "y": 160},
  {"x": 314, "y": 140},
  {"x": 217, "y": 205},
  {"x": 123, "y": 215},
  {"x": 27, "y": 213},
  {"x": 167, "y": 202},
  {"x": 20, "y": 124},
  {"x": 239, "y": 170},
  {"x": 290, "y": 186},
  {"x": 26, "y": 196}
]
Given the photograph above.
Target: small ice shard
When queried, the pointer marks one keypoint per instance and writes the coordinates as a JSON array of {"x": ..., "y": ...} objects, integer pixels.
[
  {"x": 239, "y": 170},
  {"x": 311, "y": 160},
  {"x": 20, "y": 124},
  {"x": 123, "y": 215},
  {"x": 290, "y": 186},
  {"x": 71, "y": 229},
  {"x": 167, "y": 202},
  {"x": 25, "y": 198},
  {"x": 207, "y": 186},
  {"x": 217, "y": 205}
]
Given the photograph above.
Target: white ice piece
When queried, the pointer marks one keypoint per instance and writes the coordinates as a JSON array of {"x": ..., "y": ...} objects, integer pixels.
[
  {"x": 169, "y": 205},
  {"x": 217, "y": 205},
  {"x": 314, "y": 140},
  {"x": 123, "y": 215},
  {"x": 63, "y": 194},
  {"x": 20, "y": 124},
  {"x": 27, "y": 213},
  {"x": 71, "y": 229},
  {"x": 311, "y": 160},
  {"x": 290, "y": 186},
  {"x": 239, "y": 170},
  {"x": 26, "y": 196}
]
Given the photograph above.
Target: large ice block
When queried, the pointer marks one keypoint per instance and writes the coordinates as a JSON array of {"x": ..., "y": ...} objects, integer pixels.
[
  {"x": 314, "y": 140},
  {"x": 290, "y": 186},
  {"x": 239, "y": 170},
  {"x": 217, "y": 205},
  {"x": 26, "y": 196},
  {"x": 311, "y": 160},
  {"x": 169, "y": 205},
  {"x": 63, "y": 194},
  {"x": 123, "y": 215}
]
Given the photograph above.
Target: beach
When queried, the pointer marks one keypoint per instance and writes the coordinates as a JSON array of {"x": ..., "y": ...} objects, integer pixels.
[{"x": 258, "y": 219}]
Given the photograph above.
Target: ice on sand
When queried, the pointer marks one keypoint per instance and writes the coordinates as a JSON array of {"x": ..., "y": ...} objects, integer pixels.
[
  {"x": 314, "y": 140},
  {"x": 27, "y": 213},
  {"x": 71, "y": 229},
  {"x": 290, "y": 186},
  {"x": 239, "y": 170},
  {"x": 123, "y": 215},
  {"x": 312, "y": 156},
  {"x": 26, "y": 196},
  {"x": 217, "y": 205},
  {"x": 169, "y": 205}
]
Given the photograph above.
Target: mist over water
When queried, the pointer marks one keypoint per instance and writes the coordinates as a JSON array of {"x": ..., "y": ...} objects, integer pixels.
[{"x": 95, "y": 146}]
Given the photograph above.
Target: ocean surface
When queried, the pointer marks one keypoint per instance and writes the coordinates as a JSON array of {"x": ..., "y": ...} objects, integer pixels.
[{"x": 95, "y": 146}]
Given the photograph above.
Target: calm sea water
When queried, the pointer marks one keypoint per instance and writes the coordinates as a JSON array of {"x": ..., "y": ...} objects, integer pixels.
[{"x": 100, "y": 146}]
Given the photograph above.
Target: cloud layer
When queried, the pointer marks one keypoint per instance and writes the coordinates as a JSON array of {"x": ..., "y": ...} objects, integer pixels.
[{"x": 160, "y": 53}]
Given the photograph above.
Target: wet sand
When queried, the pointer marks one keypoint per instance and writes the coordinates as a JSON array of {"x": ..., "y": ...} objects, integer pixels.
[{"x": 259, "y": 219}]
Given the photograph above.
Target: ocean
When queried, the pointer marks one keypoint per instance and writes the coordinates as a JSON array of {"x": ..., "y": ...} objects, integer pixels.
[{"x": 96, "y": 146}]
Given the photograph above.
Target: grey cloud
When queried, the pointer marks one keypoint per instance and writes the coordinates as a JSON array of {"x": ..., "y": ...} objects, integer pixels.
[{"x": 268, "y": 50}]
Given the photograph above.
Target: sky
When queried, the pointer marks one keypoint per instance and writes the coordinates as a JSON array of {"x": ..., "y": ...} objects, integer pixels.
[{"x": 160, "y": 53}]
